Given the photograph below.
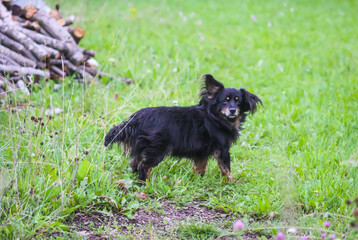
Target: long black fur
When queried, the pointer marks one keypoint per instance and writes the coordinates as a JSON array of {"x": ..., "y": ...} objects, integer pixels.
[{"x": 195, "y": 132}]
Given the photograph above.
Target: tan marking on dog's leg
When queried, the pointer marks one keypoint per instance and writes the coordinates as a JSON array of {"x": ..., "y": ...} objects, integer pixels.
[
  {"x": 149, "y": 172},
  {"x": 133, "y": 163},
  {"x": 200, "y": 167},
  {"x": 226, "y": 172}
]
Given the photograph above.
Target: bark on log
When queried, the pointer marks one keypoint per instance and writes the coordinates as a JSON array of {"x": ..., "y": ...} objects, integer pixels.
[
  {"x": 18, "y": 19},
  {"x": 16, "y": 10},
  {"x": 58, "y": 72},
  {"x": 23, "y": 61},
  {"x": 11, "y": 30},
  {"x": 7, "y": 3},
  {"x": 66, "y": 63},
  {"x": 23, "y": 71},
  {"x": 14, "y": 79},
  {"x": 4, "y": 13},
  {"x": 15, "y": 46},
  {"x": 8, "y": 60},
  {"x": 85, "y": 76},
  {"x": 45, "y": 40},
  {"x": 73, "y": 52},
  {"x": 2, "y": 93}
]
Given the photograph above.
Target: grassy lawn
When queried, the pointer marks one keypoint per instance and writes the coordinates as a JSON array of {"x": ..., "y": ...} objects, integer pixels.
[{"x": 296, "y": 160}]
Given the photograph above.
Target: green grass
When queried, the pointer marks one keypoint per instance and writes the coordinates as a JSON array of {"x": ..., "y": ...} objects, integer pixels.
[{"x": 297, "y": 155}]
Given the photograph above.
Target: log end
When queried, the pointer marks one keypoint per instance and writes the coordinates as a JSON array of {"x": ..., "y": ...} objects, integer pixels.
[{"x": 29, "y": 11}]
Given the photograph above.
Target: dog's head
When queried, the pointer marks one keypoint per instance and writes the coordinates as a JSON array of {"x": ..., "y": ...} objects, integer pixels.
[{"x": 229, "y": 103}]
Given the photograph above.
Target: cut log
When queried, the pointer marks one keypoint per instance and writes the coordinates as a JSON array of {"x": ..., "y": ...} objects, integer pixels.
[
  {"x": 7, "y": 3},
  {"x": 31, "y": 25},
  {"x": 29, "y": 11},
  {"x": 61, "y": 21},
  {"x": 23, "y": 61},
  {"x": 89, "y": 53},
  {"x": 22, "y": 86},
  {"x": 55, "y": 14},
  {"x": 68, "y": 22},
  {"x": 16, "y": 10},
  {"x": 23, "y": 71},
  {"x": 77, "y": 33},
  {"x": 64, "y": 22},
  {"x": 15, "y": 46},
  {"x": 53, "y": 52},
  {"x": 60, "y": 74},
  {"x": 11, "y": 30},
  {"x": 92, "y": 63}
]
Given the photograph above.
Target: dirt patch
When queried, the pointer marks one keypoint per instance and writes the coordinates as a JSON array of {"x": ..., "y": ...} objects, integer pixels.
[{"x": 146, "y": 222}]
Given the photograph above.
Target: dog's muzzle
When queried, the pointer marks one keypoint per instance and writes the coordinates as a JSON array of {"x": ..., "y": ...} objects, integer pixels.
[{"x": 231, "y": 113}]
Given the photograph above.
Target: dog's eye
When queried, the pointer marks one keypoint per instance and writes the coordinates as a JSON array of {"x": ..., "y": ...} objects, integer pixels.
[
  {"x": 236, "y": 98},
  {"x": 227, "y": 99}
]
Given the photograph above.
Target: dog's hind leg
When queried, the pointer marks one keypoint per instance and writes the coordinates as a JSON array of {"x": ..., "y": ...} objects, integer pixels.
[
  {"x": 200, "y": 166},
  {"x": 134, "y": 164},
  {"x": 146, "y": 165}
]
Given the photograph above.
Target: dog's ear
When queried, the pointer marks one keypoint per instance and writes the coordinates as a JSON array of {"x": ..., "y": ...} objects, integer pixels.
[
  {"x": 211, "y": 86},
  {"x": 249, "y": 101}
]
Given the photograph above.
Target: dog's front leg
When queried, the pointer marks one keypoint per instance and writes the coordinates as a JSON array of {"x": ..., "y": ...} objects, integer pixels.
[
  {"x": 223, "y": 158},
  {"x": 200, "y": 166}
]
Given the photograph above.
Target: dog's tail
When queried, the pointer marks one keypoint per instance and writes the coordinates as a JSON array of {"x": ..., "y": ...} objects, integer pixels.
[{"x": 120, "y": 133}]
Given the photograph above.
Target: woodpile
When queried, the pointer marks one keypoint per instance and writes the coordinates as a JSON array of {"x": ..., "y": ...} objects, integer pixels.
[{"x": 36, "y": 45}]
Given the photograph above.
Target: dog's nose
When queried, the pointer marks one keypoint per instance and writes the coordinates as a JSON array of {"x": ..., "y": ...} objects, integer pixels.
[{"x": 232, "y": 110}]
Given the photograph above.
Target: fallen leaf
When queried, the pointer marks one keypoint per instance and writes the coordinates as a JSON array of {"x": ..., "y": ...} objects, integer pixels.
[{"x": 142, "y": 195}]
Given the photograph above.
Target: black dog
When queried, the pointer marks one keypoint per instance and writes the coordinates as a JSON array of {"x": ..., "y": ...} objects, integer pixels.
[{"x": 196, "y": 132}]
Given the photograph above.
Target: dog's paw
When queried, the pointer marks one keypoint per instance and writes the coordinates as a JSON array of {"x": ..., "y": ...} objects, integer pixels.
[{"x": 231, "y": 179}]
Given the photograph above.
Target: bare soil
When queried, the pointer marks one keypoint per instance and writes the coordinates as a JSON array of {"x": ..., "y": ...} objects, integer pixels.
[{"x": 151, "y": 224}]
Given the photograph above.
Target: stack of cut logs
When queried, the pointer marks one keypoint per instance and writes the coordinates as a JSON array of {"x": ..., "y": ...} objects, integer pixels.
[{"x": 36, "y": 45}]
